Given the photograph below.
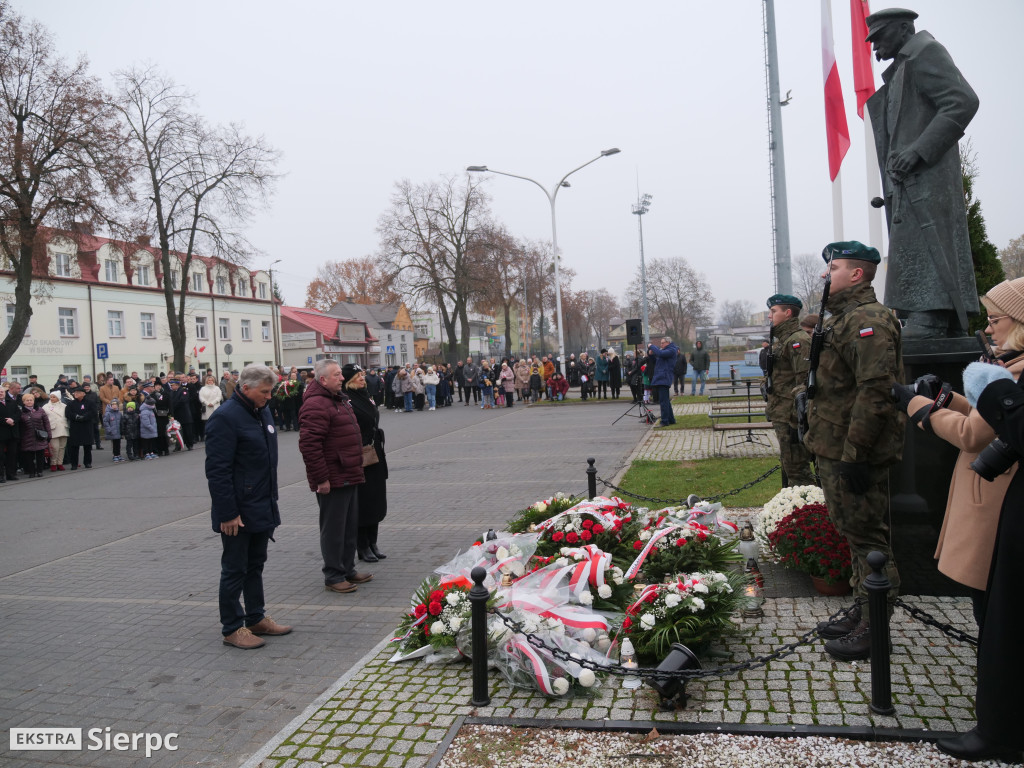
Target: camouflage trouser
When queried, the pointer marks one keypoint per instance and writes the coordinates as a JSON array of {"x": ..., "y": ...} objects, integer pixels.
[
  {"x": 863, "y": 520},
  {"x": 796, "y": 459}
]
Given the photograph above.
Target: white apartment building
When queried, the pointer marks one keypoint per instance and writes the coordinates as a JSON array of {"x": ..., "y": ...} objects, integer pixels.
[{"x": 95, "y": 296}]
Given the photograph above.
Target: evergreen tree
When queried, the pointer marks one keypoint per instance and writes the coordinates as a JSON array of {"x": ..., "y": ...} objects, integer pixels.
[{"x": 988, "y": 270}]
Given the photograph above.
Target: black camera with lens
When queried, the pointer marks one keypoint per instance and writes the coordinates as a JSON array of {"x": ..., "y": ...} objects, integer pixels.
[{"x": 994, "y": 459}]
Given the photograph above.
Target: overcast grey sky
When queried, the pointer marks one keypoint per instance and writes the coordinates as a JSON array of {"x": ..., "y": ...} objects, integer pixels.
[{"x": 360, "y": 95}]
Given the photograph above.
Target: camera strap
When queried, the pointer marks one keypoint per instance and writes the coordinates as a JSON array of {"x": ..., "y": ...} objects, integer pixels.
[{"x": 921, "y": 417}]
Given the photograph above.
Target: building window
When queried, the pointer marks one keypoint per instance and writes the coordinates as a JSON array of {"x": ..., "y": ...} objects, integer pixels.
[
  {"x": 142, "y": 274},
  {"x": 263, "y": 290},
  {"x": 72, "y": 372},
  {"x": 223, "y": 328},
  {"x": 201, "y": 330},
  {"x": 175, "y": 279},
  {"x": 148, "y": 370},
  {"x": 62, "y": 265},
  {"x": 115, "y": 323},
  {"x": 243, "y": 287},
  {"x": 389, "y": 337},
  {"x": 20, "y": 373},
  {"x": 423, "y": 330},
  {"x": 120, "y": 371},
  {"x": 265, "y": 330},
  {"x": 10, "y": 320},
  {"x": 67, "y": 321},
  {"x": 148, "y": 325},
  {"x": 197, "y": 282},
  {"x": 404, "y": 350},
  {"x": 247, "y": 330},
  {"x": 222, "y": 285},
  {"x": 110, "y": 265}
]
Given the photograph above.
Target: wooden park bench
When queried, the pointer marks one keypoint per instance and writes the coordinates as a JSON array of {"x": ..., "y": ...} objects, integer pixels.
[{"x": 737, "y": 413}]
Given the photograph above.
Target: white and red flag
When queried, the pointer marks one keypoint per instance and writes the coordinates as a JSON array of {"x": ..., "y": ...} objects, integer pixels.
[
  {"x": 863, "y": 75},
  {"x": 836, "y": 131}
]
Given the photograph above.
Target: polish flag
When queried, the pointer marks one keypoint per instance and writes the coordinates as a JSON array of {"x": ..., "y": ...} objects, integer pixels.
[
  {"x": 836, "y": 131},
  {"x": 863, "y": 75}
]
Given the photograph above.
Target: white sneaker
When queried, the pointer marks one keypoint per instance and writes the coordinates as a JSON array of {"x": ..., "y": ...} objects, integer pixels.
[{"x": 433, "y": 409}]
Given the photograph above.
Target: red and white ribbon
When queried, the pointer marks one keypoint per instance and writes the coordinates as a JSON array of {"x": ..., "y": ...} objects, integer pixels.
[
  {"x": 412, "y": 628},
  {"x": 632, "y": 571},
  {"x": 536, "y": 662}
]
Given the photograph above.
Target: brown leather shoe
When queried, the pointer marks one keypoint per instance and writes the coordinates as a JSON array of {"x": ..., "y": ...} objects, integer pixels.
[
  {"x": 244, "y": 639},
  {"x": 340, "y": 586},
  {"x": 360, "y": 578},
  {"x": 267, "y": 626}
]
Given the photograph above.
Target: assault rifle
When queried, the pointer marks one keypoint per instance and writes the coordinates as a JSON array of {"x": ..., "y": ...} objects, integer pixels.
[
  {"x": 817, "y": 342},
  {"x": 767, "y": 388}
]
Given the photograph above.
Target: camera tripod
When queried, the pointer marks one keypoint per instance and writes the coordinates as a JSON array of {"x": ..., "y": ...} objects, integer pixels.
[{"x": 644, "y": 413}]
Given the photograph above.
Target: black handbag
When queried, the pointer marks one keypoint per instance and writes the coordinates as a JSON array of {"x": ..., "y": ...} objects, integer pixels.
[{"x": 42, "y": 434}]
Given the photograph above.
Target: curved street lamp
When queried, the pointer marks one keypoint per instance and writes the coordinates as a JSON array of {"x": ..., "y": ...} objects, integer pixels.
[{"x": 552, "y": 195}]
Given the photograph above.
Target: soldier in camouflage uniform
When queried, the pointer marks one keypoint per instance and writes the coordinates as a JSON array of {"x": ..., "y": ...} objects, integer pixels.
[
  {"x": 790, "y": 348},
  {"x": 854, "y": 428}
]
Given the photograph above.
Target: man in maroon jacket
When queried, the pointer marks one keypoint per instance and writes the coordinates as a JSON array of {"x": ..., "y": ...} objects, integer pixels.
[{"x": 332, "y": 450}]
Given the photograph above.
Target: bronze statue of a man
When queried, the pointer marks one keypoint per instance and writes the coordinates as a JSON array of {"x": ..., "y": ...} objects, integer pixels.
[{"x": 918, "y": 116}]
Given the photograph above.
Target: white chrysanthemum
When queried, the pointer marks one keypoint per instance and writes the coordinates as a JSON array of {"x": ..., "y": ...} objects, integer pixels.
[
  {"x": 586, "y": 598},
  {"x": 562, "y": 561},
  {"x": 672, "y": 600},
  {"x": 437, "y": 628},
  {"x": 587, "y": 678},
  {"x": 701, "y": 588},
  {"x": 452, "y": 598},
  {"x": 616, "y": 572},
  {"x": 515, "y": 551},
  {"x": 501, "y": 554},
  {"x": 603, "y": 643},
  {"x": 617, "y": 580},
  {"x": 604, "y": 591},
  {"x": 560, "y": 685},
  {"x": 645, "y": 535},
  {"x": 696, "y": 604},
  {"x": 647, "y": 621},
  {"x": 540, "y": 506},
  {"x": 455, "y": 622},
  {"x": 589, "y": 634}
]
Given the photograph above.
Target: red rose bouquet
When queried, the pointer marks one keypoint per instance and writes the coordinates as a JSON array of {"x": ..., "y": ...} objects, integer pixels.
[{"x": 807, "y": 540}]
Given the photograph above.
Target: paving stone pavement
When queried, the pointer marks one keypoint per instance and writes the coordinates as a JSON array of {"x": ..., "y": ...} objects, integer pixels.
[
  {"x": 396, "y": 714},
  {"x": 125, "y": 634}
]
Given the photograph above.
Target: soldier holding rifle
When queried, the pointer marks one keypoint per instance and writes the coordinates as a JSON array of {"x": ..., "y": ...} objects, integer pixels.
[
  {"x": 785, "y": 372},
  {"x": 853, "y": 427}
]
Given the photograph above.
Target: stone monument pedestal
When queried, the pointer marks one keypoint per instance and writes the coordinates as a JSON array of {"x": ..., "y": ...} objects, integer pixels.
[{"x": 919, "y": 485}]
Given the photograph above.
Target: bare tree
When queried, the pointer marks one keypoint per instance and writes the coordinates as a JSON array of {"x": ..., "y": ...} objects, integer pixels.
[
  {"x": 203, "y": 182},
  {"x": 599, "y": 307},
  {"x": 429, "y": 241},
  {"x": 1012, "y": 257},
  {"x": 736, "y": 312},
  {"x": 807, "y": 281},
  {"x": 361, "y": 281},
  {"x": 62, "y": 155},
  {"x": 499, "y": 275},
  {"x": 678, "y": 297}
]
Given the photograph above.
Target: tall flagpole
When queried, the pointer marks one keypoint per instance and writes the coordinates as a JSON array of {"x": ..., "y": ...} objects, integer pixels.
[
  {"x": 780, "y": 206},
  {"x": 837, "y": 133}
]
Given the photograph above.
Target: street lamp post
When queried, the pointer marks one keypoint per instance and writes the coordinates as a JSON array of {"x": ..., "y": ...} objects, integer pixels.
[
  {"x": 643, "y": 205},
  {"x": 273, "y": 315},
  {"x": 552, "y": 196}
]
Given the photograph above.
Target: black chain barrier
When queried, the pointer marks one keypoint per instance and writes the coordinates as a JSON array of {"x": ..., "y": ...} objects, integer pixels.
[
  {"x": 616, "y": 669},
  {"x": 947, "y": 629},
  {"x": 678, "y": 502}
]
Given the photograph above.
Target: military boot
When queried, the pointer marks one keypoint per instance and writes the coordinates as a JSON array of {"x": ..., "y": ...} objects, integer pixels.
[
  {"x": 855, "y": 646},
  {"x": 842, "y": 627}
]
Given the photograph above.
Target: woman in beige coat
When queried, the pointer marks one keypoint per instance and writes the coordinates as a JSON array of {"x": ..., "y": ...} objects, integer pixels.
[
  {"x": 522, "y": 372},
  {"x": 967, "y": 538},
  {"x": 54, "y": 411}
]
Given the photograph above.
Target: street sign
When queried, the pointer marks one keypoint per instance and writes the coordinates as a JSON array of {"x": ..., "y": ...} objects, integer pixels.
[
  {"x": 101, "y": 352},
  {"x": 309, "y": 360},
  {"x": 391, "y": 349}
]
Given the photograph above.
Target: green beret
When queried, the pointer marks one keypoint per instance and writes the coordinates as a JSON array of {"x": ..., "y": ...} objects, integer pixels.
[
  {"x": 784, "y": 298},
  {"x": 851, "y": 249},
  {"x": 878, "y": 21}
]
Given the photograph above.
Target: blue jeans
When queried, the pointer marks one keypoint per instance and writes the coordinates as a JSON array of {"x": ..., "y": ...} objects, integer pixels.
[
  {"x": 703, "y": 376},
  {"x": 665, "y": 400},
  {"x": 431, "y": 395},
  {"x": 408, "y": 401},
  {"x": 241, "y": 574},
  {"x": 488, "y": 395}
]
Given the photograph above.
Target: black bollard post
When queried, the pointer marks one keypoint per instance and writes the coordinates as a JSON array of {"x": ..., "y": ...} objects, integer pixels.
[
  {"x": 478, "y": 597},
  {"x": 591, "y": 478},
  {"x": 878, "y": 586}
]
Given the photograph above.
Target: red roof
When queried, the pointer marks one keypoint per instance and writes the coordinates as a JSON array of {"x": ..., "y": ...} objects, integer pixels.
[{"x": 324, "y": 324}]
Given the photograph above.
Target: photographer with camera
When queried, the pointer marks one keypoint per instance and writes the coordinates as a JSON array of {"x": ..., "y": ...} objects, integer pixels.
[{"x": 968, "y": 532}]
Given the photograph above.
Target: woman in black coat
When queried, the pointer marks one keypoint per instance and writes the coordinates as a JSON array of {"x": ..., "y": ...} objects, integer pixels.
[
  {"x": 614, "y": 374},
  {"x": 1000, "y": 663},
  {"x": 373, "y": 494}
]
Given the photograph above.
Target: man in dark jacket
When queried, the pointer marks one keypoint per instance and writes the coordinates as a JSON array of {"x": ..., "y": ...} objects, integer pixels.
[
  {"x": 241, "y": 470},
  {"x": 81, "y": 418},
  {"x": 679, "y": 375},
  {"x": 665, "y": 355},
  {"x": 460, "y": 380},
  {"x": 701, "y": 362},
  {"x": 10, "y": 424},
  {"x": 332, "y": 449},
  {"x": 181, "y": 409},
  {"x": 92, "y": 398}
]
